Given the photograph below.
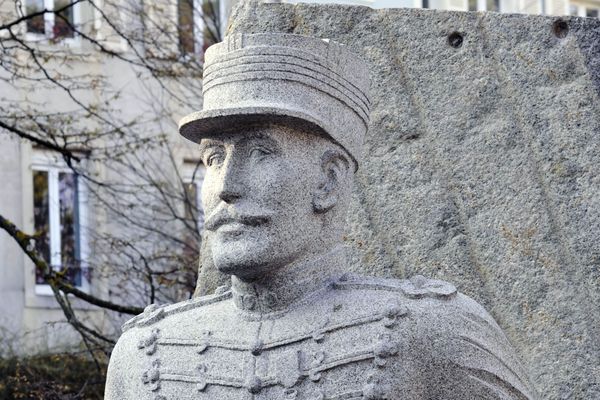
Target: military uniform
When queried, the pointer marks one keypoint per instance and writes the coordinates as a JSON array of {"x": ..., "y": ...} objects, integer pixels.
[
  {"x": 300, "y": 334},
  {"x": 353, "y": 338}
]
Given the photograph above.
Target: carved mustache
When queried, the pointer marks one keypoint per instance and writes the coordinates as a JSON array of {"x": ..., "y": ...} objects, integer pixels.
[{"x": 224, "y": 217}]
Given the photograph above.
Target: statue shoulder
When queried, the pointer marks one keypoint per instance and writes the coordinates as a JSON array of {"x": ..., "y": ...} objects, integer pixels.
[
  {"x": 154, "y": 313},
  {"x": 140, "y": 336},
  {"x": 433, "y": 302},
  {"x": 464, "y": 349},
  {"x": 417, "y": 287}
]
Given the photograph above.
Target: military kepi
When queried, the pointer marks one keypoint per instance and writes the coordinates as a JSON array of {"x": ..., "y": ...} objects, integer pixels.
[{"x": 316, "y": 84}]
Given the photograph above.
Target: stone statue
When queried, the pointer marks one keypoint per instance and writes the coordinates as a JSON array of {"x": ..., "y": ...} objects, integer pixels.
[{"x": 280, "y": 135}]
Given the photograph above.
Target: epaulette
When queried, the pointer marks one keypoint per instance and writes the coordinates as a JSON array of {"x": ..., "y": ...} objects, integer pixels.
[
  {"x": 417, "y": 287},
  {"x": 154, "y": 313}
]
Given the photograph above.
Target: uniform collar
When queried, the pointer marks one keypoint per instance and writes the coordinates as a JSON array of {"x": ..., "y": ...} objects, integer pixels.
[{"x": 290, "y": 283}]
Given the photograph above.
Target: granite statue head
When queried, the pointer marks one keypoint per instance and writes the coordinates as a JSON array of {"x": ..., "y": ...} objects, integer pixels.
[{"x": 280, "y": 136}]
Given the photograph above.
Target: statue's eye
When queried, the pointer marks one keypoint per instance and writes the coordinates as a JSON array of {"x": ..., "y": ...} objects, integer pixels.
[
  {"x": 214, "y": 158},
  {"x": 259, "y": 152}
]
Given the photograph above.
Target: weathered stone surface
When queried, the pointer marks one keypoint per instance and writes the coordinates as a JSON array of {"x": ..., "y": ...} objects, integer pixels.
[
  {"x": 482, "y": 167},
  {"x": 294, "y": 324}
]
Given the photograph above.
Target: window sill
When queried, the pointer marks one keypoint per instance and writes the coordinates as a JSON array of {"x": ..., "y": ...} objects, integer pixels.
[
  {"x": 43, "y": 290},
  {"x": 73, "y": 49},
  {"x": 43, "y": 298},
  {"x": 46, "y": 41}
]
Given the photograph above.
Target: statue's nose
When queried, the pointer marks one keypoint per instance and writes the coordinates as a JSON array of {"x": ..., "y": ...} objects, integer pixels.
[
  {"x": 229, "y": 196},
  {"x": 231, "y": 188}
]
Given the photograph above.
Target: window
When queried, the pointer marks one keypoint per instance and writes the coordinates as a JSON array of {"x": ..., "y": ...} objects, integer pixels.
[
  {"x": 492, "y": 5},
  {"x": 51, "y": 25},
  {"x": 192, "y": 204},
  {"x": 199, "y": 25},
  {"x": 35, "y": 24},
  {"x": 592, "y": 12},
  {"x": 185, "y": 11},
  {"x": 193, "y": 176},
  {"x": 483, "y": 5},
  {"x": 573, "y": 9},
  {"x": 58, "y": 210}
]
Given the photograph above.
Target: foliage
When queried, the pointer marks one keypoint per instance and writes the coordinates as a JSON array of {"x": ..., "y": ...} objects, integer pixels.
[{"x": 52, "y": 377}]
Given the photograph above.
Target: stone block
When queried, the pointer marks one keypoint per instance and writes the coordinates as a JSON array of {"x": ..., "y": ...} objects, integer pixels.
[{"x": 482, "y": 167}]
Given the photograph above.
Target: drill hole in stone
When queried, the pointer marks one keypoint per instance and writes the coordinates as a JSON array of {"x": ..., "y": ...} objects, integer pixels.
[
  {"x": 560, "y": 28},
  {"x": 455, "y": 39}
]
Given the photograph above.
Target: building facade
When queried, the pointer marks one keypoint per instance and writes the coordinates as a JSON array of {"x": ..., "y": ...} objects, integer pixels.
[
  {"x": 80, "y": 67},
  {"x": 42, "y": 194}
]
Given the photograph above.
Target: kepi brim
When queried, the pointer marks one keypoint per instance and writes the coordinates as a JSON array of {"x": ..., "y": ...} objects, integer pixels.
[{"x": 207, "y": 123}]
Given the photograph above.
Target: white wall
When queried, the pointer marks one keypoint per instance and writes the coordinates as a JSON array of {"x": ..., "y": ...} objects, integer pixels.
[{"x": 11, "y": 260}]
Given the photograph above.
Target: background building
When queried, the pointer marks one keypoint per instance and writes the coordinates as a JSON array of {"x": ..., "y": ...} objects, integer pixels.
[
  {"x": 105, "y": 83},
  {"x": 136, "y": 65}
]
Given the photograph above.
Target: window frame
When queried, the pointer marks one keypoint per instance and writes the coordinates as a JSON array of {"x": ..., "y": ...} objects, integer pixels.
[
  {"x": 199, "y": 25},
  {"x": 44, "y": 162},
  {"x": 198, "y": 29},
  {"x": 49, "y": 19},
  {"x": 188, "y": 178},
  {"x": 481, "y": 5},
  {"x": 589, "y": 10}
]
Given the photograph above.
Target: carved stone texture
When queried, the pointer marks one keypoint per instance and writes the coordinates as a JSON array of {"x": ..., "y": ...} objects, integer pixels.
[
  {"x": 356, "y": 338},
  {"x": 281, "y": 136},
  {"x": 481, "y": 168}
]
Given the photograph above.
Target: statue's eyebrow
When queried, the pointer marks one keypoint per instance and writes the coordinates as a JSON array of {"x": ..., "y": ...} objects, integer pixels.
[
  {"x": 207, "y": 144},
  {"x": 261, "y": 138},
  {"x": 244, "y": 140}
]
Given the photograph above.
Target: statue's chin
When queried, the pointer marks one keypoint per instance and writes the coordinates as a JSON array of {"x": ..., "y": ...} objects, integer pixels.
[
  {"x": 248, "y": 266},
  {"x": 251, "y": 259},
  {"x": 234, "y": 269},
  {"x": 244, "y": 266}
]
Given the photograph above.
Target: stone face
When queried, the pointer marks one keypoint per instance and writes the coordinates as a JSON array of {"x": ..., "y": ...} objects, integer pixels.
[
  {"x": 294, "y": 324},
  {"x": 481, "y": 168}
]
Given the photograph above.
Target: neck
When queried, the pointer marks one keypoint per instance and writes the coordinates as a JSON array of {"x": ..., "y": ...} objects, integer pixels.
[{"x": 290, "y": 283}]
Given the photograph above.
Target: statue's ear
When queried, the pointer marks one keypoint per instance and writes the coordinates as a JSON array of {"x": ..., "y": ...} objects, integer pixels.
[{"x": 335, "y": 167}]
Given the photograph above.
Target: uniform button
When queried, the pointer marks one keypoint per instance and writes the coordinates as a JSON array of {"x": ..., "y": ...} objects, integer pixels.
[
  {"x": 257, "y": 348},
  {"x": 253, "y": 384}
]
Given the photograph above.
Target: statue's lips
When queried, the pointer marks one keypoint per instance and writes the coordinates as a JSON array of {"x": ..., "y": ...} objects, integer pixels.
[
  {"x": 231, "y": 224},
  {"x": 232, "y": 229}
]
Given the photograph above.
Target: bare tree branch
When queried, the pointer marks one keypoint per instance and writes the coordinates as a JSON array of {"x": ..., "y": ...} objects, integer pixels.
[
  {"x": 67, "y": 154},
  {"x": 37, "y": 14},
  {"x": 54, "y": 279}
]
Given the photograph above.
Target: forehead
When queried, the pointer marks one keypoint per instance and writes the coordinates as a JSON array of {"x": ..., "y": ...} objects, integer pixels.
[
  {"x": 273, "y": 133},
  {"x": 240, "y": 137}
]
